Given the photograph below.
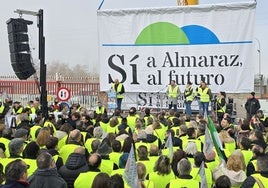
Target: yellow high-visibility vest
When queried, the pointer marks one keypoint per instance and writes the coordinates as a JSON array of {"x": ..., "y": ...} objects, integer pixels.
[
  {"x": 119, "y": 89},
  {"x": 173, "y": 92},
  {"x": 204, "y": 96}
]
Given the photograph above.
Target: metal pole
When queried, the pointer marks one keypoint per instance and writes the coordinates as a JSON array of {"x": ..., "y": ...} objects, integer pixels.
[
  {"x": 43, "y": 68},
  {"x": 260, "y": 75}
]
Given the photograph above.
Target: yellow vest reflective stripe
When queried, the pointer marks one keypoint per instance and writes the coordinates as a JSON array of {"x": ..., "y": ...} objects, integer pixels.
[
  {"x": 262, "y": 179},
  {"x": 119, "y": 89},
  {"x": 223, "y": 108},
  {"x": 204, "y": 97},
  {"x": 185, "y": 183},
  {"x": 173, "y": 92},
  {"x": 190, "y": 93},
  {"x": 85, "y": 179},
  {"x": 161, "y": 181},
  {"x": 100, "y": 110},
  {"x": 2, "y": 108}
]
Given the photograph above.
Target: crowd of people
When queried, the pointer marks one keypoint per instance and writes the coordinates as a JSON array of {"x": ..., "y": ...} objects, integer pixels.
[{"x": 76, "y": 147}]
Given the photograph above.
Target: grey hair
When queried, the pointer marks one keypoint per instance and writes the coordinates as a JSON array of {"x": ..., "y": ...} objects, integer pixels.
[
  {"x": 184, "y": 167},
  {"x": 15, "y": 146}
]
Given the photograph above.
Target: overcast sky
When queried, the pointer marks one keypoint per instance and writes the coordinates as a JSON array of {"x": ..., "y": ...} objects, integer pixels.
[{"x": 71, "y": 29}]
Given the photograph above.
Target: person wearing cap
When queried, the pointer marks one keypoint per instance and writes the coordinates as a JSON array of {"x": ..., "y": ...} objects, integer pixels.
[
  {"x": 189, "y": 97},
  {"x": 220, "y": 105},
  {"x": 252, "y": 105},
  {"x": 173, "y": 91},
  {"x": 118, "y": 87},
  {"x": 17, "y": 108},
  {"x": 205, "y": 96}
]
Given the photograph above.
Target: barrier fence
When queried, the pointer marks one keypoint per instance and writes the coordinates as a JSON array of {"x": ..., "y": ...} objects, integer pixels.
[{"x": 86, "y": 94}]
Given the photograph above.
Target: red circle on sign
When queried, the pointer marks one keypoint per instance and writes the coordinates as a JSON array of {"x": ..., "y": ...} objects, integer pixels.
[{"x": 63, "y": 94}]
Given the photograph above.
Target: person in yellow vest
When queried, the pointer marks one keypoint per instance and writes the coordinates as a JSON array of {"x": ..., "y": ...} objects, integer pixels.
[
  {"x": 17, "y": 108},
  {"x": 184, "y": 179},
  {"x": 142, "y": 171},
  {"x": 257, "y": 151},
  {"x": 162, "y": 173},
  {"x": 85, "y": 179},
  {"x": 205, "y": 96},
  {"x": 2, "y": 109},
  {"x": 173, "y": 93},
  {"x": 16, "y": 174},
  {"x": 100, "y": 109},
  {"x": 188, "y": 98},
  {"x": 263, "y": 119},
  {"x": 5, "y": 139},
  {"x": 220, "y": 105},
  {"x": 118, "y": 87},
  {"x": 74, "y": 141},
  {"x": 260, "y": 177}
]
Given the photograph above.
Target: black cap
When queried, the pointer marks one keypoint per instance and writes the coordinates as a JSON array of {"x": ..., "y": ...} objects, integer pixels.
[
  {"x": 223, "y": 93},
  {"x": 252, "y": 93}
]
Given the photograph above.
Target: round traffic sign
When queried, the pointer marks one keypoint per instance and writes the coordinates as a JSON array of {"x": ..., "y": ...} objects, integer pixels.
[{"x": 63, "y": 94}]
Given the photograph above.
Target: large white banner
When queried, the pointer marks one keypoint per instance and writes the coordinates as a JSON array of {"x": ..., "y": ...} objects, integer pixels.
[{"x": 146, "y": 48}]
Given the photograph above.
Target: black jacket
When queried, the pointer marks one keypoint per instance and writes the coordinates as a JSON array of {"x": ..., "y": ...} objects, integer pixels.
[
  {"x": 15, "y": 184},
  {"x": 46, "y": 178},
  {"x": 252, "y": 106},
  {"x": 76, "y": 163}
]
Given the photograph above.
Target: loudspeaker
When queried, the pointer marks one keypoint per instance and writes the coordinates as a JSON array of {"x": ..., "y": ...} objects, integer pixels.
[{"x": 20, "y": 56}]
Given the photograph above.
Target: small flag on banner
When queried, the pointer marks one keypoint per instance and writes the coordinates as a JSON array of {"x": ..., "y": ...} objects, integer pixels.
[
  {"x": 169, "y": 145},
  {"x": 130, "y": 174},
  {"x": 203, "y": 176}
]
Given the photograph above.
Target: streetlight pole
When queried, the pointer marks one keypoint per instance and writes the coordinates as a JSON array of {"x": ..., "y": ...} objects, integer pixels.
[{"x": 260, "y": 75}]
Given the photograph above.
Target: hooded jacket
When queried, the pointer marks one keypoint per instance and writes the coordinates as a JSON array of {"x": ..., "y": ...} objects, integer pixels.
[
  {"x": 76, "y": 163},
  {"x": 236, "y": 178}
]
